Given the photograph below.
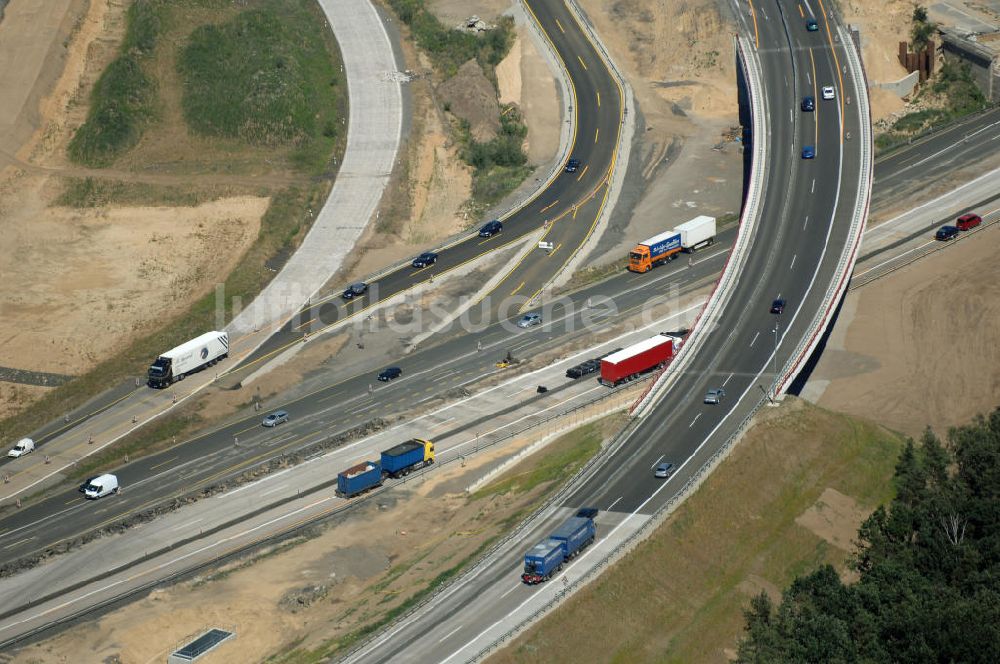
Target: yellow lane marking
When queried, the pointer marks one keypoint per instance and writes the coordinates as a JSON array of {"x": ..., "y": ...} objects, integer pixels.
[
  {"x": 514, "y": 292},
  {"x": 549, "y": 205},
  {"x": 598, "y": 99},
  {"x": 163, "y": 463},
  {"x": 575, "y": 208},
  {"x": 801, "y": 13},
  {"x": 582, "y": 62},
  {"x": 597, "y": 132},
  {"x": 836, "y": 62},
  {"x": 555, "y": 250},
  {"x": 756, "y": 35},
  {"x": 582, "y": 172},
  {"x": 815, "y": 96},
  {"x": 560, "y": 27}
]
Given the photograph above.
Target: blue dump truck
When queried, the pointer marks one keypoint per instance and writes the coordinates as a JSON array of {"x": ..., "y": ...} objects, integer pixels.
[
  {"x": 547, "y": 557},
  {"x": 394, "y": 462}
]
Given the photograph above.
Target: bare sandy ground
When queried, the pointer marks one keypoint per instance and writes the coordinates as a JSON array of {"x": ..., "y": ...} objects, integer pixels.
[
  {"x": 79, "y": 282},
  {"x": 883, "y": 24},
  {"x": 921, "y": 347}
]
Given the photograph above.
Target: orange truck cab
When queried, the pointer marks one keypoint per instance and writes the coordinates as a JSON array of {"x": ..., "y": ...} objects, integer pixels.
[{"x": 654, "y": 251}]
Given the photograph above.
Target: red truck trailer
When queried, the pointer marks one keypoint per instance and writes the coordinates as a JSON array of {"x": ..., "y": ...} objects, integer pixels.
[{"x": 637, "y": 359}]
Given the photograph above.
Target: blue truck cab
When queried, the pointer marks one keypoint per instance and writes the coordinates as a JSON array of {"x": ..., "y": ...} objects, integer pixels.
[
  {"x": 542, "y": 560},
  {"x": 407, "y": 457}
]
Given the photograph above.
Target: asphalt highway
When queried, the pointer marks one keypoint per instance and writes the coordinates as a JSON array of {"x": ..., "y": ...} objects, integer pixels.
[{"x": 804, "y": 226}]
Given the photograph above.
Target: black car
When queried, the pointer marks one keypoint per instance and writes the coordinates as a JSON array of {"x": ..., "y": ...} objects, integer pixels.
[
  {"x": 355, "y": 290},
  {"x": 425, "y": 259},
  {"x": 587, "y": 512},
  {"x": 584, "y": 368},
  {"x": 778, "y": 306},
  {"x": 812, "y": 25},
  {"x": 491, "y": 228},
  {"x": 572, "y": 165},
  {"x": 946, "y": 233},
  {"x": 390, "y": 373},
  {"x": 808, "y": 104}
]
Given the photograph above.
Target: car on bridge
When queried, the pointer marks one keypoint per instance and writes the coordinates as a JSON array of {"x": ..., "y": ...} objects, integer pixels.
[
  {"x": 491, "y": 228},
  {"x": 425, "y": 259},
  {"x": 946, "y": 233},
  {"x": 808, "y": 152},
  {"x": 778, "y": 306},
  {"x": 664, "y": 470},
  {"x": 812, "y": 25},
  {"x": 808, "y": 104},
  {"x": 355, "y": 290},
  {"x": 828, "y": 92},
  {"x": 572, "y": 165},
  {"x": 714, "y": 396},
  {"x": 968, "y": 222}
]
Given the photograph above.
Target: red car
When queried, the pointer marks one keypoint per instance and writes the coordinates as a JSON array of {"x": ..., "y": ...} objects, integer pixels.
[{"x": 968, "y": 221}]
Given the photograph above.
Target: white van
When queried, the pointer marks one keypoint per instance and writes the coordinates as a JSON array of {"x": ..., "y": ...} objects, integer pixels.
[
  {"x": 101, "y": 486},
  {"x": 24, "y": 446}
]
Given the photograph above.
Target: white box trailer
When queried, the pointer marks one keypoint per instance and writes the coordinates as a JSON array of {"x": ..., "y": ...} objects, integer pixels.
[
  {"x": 204, "y": 351},
  {"x": 697, "y": 233}
]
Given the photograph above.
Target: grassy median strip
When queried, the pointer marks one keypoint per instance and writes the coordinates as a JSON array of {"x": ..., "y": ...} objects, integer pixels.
[{"x": 788, "y": 499}]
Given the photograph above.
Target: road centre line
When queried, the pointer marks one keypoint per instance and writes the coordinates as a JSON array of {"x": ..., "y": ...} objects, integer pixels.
[
  {"x": 657, "y": 461},
  {"x": 510, "y": 591},
  {"x": 186, "y": 524},
  {"x": 611, "y": 506},
  {"x": 26, "y": 539},
  {"x": 694, "y": 420},
  {"x": 728, "y": 378},
  {"x": 754, "y": 339}
]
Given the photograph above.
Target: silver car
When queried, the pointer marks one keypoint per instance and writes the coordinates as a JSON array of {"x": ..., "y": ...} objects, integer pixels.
[
  {"x": 664, "y": 470},
  {"x": 275, "y": 418},
  {"x": 530, "y": 320},
  {"x": 715, "y": 396}
]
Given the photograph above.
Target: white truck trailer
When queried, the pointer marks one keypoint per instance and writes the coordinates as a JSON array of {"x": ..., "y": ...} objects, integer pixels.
[
  {"x": 697, "y": 233},
  {"x": 201, "y": 352}
]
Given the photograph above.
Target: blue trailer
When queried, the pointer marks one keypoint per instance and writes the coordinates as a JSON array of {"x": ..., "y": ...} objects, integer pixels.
[
  {"x": 565, "y": 543},
  {"x": 359, "y": 478},
  {"x": 542, "y": 561},
  {"x": 406, "y": 457},
  {"x": 575, "y": 534}
]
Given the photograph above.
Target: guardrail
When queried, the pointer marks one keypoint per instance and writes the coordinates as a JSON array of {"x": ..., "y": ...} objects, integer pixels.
[
  {"x": 845, "y": 266},
  {"x": 626, "y": 545},
  {"x": 738, "y": 255}
]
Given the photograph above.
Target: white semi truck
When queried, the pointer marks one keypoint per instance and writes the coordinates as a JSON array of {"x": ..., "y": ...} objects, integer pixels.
[
  {"x": 697, "y": 233},
  {"x": 201, "y": 352}
]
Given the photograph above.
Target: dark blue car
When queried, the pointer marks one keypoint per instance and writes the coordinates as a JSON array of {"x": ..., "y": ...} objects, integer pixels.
[
  {"x": 491, "y": 228},
  {"x": 812, "y": 25},
  {"x": 946, "y": 233},
  {"x": 808, "y": 152}
]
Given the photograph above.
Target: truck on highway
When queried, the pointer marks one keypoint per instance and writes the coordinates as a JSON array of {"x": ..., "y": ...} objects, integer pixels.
[
  {"x": 406, "y": 457},
  {"x": 548, "y": 556},
  {"x": 394, "y": 462},
  {"x": 637, "y": 359},
  {"x": 360, "y": 478},
  {"x": 190, "y": 356},
  {"x": 697, "y": 233},
  {"x": 689, "y": 236},
  {"x": 655, "y": 251}
]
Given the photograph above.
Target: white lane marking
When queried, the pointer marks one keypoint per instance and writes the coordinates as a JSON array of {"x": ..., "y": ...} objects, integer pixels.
[
  {"x": 511, "y": 590},
  {"x": 728, "y": 378},
  {"x": 754, "y": 339},
  {"x": 655, "y": 463},
  {"x": 449, "y": 634},
  {"x": 185, "y": 525},
  {"x": 792, "y": 266},
  {"x": 272, "y": 490},
  {"x": 26, "y": 539},
  {"x": 812, "y": 189},
  {"x": 694, "y": 420},
  {"x": 805, "y": 223},
  {"x": 611, "y": 506}
]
